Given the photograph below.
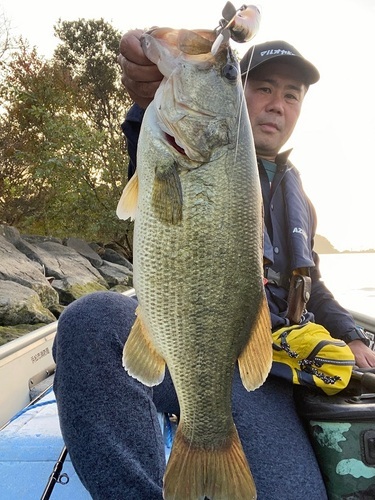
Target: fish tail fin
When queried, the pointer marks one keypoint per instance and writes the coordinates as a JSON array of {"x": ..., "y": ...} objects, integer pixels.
[
  {"x": 256, "y": 359},
  {"x": 140, "y": 358},
  {"x": 127, "y": 204},
  {"x": 217, "y": 473}
]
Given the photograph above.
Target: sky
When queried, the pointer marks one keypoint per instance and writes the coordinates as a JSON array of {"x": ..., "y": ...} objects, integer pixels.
[{"x": 337, "y": 124}]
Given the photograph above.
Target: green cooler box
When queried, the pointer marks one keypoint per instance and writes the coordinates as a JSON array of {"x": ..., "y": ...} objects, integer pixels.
[{"x": 342, "y": 430}]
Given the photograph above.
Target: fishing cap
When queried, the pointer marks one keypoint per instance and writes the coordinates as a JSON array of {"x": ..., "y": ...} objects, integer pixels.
[{"x": 283, "y": 51}]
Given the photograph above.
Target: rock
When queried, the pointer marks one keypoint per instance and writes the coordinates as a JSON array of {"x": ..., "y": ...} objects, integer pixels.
[
  {"x": 31, "y": 253},
  {"x": 69, "y": 289},
  {"x": 10, "y": 233},
  {"x": 98, "y": 248},
  {"x": 20, "y": 304},
  {"x": 9, "y": 332},
  {"x": 122, "y": 250},
  {"x": 16, "y": 267},
  {"x": 114, "y": 274},
  {"x": 61, "y": 262},
  {"x": 120, "y": 288},
  {"x": 73, "y": 274},
  {"x": 40, "y": 275},
  {"x": 57, "y": 310},
  {"x": 85, "y": 250},
  {"x": 35, "y": 239},
  {"x": 111, "y": 255}
]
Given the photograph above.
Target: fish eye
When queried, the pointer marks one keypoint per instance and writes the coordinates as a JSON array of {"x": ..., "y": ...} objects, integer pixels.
[{"x": 230, "y": 72}]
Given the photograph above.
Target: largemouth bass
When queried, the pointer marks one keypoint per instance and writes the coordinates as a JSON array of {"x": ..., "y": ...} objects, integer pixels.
[{"x": 197, "y": 205}]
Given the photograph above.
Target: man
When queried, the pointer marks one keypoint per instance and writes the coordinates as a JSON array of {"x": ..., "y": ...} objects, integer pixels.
[{"x": 107, "y": 418}]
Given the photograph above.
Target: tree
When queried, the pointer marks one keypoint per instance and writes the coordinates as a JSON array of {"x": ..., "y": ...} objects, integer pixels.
[
  {"x": 89, "y": 50},
  {"x": 24, "y": 189},
  {"x": 5, "y": 36},
  {"x": 62, "y": 160}
]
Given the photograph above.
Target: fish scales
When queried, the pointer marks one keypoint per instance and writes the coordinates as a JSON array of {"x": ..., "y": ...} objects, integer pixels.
[
  {"x": 200, "y": 290},
  {"x": 198, "y": 269}
]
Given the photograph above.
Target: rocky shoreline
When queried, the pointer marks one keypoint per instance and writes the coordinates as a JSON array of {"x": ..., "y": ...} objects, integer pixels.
[{"x": 40, "y": 276}]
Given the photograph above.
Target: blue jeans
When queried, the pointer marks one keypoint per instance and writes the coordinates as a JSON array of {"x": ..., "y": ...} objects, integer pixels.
[{"x": 109, "y": 420}]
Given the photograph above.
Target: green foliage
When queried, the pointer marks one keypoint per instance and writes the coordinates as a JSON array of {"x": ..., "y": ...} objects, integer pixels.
[
  {"x": 89, "y": 50},
  {"x": 62, "y": 158}
]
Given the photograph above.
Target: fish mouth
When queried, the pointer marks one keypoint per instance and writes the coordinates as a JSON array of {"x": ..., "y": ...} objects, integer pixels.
[{"x": 172, "y": 141}]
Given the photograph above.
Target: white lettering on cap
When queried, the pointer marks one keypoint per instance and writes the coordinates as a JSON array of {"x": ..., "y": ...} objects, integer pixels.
[{"x": 278, "y": 52}]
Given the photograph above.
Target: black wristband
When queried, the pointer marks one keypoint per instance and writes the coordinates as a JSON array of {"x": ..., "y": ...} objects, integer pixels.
[{"x": 357, "y": 334}]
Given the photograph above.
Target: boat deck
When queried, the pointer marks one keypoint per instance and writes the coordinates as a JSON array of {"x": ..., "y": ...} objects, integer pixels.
[{"x": 30, "y": 445}]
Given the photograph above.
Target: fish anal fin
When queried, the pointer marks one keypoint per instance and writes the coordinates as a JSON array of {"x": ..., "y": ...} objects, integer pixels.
[
  {"x": 127, "y": 204},
  {"x": 167, "y": 195},
  {"x": 140, "y": 358},
  {"x": 256, "y": 358},
  {"x": 217, "y": 473}
]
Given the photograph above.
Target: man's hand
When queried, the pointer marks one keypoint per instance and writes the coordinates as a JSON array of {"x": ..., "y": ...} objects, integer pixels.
[
  {"x": 140, "y": 76},
  {"x": 364, "y": 356}
]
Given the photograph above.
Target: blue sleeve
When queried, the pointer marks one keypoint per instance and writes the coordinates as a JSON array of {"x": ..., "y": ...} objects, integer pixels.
[{"x": 131, "y": 128}]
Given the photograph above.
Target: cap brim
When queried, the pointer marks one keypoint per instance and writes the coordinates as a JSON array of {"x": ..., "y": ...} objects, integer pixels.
[{"x": 307, "y": 69}]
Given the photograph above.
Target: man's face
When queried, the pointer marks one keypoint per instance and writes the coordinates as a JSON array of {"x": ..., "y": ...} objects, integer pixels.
[{"x": 274, "y": 93}]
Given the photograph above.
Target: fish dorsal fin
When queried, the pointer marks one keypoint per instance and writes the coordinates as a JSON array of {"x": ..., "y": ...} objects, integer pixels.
[
  {"x": 140, "y": 358},
  {"x": 167, "y": 195},
  {"x": 127, "y": 205},
  {"x": 256, "y": 359}
]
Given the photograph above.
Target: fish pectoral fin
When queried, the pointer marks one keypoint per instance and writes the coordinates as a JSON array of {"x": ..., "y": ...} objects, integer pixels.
[
  {"x": 127, "y": 205},
  {"x": 216, "y": 472},
  {"x": 140, "y": 358},
  {"x": 256, "y": 359},
  {"x": 167, "y": 194}
]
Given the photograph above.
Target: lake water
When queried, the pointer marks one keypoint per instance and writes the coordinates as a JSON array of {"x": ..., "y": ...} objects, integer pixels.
[{"x": 351, "y": 279}]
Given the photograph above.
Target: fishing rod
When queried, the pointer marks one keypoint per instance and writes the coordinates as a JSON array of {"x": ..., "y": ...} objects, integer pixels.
[{"x": 56, "y": 476}]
